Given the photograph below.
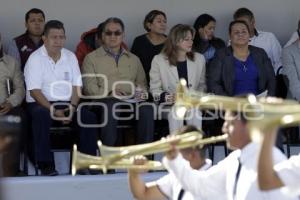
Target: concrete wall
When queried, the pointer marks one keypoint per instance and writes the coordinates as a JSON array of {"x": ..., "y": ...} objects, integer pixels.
[{"x": 278, "y": 16}]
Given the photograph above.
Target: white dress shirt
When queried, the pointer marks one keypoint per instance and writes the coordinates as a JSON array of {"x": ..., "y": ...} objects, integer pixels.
[
  {"x": 289, "y": 173},
  {"x": 218, "y": 182},
  {"x": 55, "y": 80},
  {"x": 170, "y": 187},
  {"x": 270, "y": 44}
]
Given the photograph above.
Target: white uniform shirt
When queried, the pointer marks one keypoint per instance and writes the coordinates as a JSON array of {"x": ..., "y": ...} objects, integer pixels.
[
  {"x": 218, "y": 182},
  {"x": 270, "y": 44},
  {"x": 55, "y": 80},
  {"x": 289, "y": 173},
  {"x": 170, "y": 187}
]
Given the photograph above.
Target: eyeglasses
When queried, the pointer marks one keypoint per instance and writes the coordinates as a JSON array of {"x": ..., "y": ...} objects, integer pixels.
[{"x": 110, "y": 33}]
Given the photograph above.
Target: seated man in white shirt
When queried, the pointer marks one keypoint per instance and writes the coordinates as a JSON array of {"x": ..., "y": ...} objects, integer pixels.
[
  {"x": 167, "y": 186},
  {"x": 53, "y": 82},
  {"x": 286, "y": 173},
  {"x": 235, "y": 177},
  {"x": 262, "y": 39}
]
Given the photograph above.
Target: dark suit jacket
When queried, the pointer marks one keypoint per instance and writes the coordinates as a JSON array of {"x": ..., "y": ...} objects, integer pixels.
[{"x": 221, "y": 75}]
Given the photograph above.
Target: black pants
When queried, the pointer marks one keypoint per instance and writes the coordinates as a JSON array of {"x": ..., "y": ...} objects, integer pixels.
[
  {"x": 109, "y": 112},
  {"x": 41, "y": 123}
]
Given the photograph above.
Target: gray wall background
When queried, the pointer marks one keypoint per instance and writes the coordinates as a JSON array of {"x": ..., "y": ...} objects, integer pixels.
[{"x": 277, "y": 16}]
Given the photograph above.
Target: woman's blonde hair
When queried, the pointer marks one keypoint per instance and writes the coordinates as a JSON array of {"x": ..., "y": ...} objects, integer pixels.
[{"x": 177, "y": 33}]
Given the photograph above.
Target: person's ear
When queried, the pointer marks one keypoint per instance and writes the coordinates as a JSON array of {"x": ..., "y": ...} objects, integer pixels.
[
  {"x": 43, "y": 38},
  {"x": 253, "y": 21},
  {"x": 26, "y": 25},
  {"x": 148, "y": 24}
]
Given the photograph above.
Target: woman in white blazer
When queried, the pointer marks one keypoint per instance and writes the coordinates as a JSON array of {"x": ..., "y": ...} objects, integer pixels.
[{"x": 177, "y": 60}]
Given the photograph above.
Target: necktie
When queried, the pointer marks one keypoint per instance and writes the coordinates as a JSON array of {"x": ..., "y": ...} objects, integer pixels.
[
  {"x": 237, "y": 178},
  {"x": 181, "y": 193}
]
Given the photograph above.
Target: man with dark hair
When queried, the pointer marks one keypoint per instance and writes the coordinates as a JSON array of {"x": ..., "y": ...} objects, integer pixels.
[
  {"x": 168, "y": 186},
  {"x": 12, "y": 93},
  {"x": 22, "y": 46},
  {"x": 262, "y": 39},
  {"x": 112, "y": 74},
  {"x": 53, "y": 83},
  {"x": 235, "y": 177},
  {"x": 90, "y": 41}
]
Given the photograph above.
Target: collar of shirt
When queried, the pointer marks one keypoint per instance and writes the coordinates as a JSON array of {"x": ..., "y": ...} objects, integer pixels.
[
  {"x": 115, "y": 56},
  {"x": 256, "y": 33},
  {"x": 45, "y": 53},
  {"x": 207, "y": 165},
  {"x": 248, "y": 151}
]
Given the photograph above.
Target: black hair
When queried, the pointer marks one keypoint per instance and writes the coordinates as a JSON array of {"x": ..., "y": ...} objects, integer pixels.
[
  {"x": 53, "y": 24},
  {"x": 243, "y": 12},
  {"x": 113, "y": 20},
  {"x": 35, "y": 11},
  {"x": 201, "y": 22},
  {"x": 237, "y": 22},
  {"x": 149, "y": 18},
  {"x": 190, "y": 128},
  {"x": 100, "y": 29}
]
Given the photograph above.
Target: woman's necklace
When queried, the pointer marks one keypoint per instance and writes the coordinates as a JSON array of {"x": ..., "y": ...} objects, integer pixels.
[
  {"x": 244, "y": 66},
  {"x": 242, "y": 62}
]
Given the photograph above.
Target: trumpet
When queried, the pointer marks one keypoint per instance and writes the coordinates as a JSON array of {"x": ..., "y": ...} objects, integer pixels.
[
  {"x": 263, "y": 114},
  {"x": 186, "y": 140},
  {"x": 85, "y": 161},
  {"x": 119, "y": 157}
]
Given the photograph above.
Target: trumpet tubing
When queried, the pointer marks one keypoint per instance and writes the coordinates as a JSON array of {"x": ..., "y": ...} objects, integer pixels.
[
  {"x": 85, "y": 161},
  {"x": 191, "y": 139},
  {"x": 263, "y": 114},
  {"x": 266, "y": 105},
  {"x": 118, "y": 157}
]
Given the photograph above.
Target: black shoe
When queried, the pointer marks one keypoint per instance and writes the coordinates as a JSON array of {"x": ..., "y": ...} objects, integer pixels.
[{"x": 47, "y": 169}]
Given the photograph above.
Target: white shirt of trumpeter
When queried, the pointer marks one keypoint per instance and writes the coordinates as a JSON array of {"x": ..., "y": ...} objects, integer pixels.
[
  {"x": 170, "y": 187},
  {"x": 218, "y": 182},
  {"x": 55, "y": 80},
  {"x": 268, "y": 42},
  {"x": 289, "y": 173}
]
